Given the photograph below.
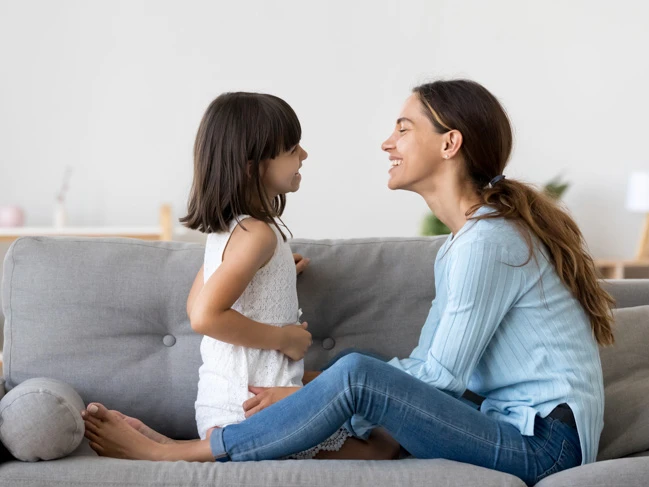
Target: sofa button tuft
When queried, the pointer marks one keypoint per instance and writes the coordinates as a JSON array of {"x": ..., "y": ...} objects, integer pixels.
[
  {"x": 328, "y": 343},
  {"x": 169, "y": 340}
]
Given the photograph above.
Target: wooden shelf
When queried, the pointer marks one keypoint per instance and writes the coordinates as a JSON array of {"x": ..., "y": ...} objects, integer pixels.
[
  {"x": 623, "y": 269},
  {"x": 164, "y": 231}
]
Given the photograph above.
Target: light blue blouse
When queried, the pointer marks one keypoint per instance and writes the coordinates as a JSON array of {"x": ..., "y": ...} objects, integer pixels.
[{"x": 512, "y": 333}]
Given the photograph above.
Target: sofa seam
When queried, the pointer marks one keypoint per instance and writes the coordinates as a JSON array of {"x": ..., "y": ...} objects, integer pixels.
[
  {"x": 98, "y": 240},
  {"x": 373, "y": 242},
  {"x": 11, "y": 310},
  {"x": 67, "y": 482}
]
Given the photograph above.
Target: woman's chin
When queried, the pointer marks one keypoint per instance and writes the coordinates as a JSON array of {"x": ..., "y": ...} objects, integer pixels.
[{"x": 393, "y": 185}]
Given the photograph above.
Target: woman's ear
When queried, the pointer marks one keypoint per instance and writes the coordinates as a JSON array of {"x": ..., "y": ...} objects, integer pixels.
[{"x": 451, "y": 144}]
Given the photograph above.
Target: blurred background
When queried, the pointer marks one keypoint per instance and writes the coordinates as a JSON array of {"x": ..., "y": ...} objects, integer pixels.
[{"x": 114, "y": 90}]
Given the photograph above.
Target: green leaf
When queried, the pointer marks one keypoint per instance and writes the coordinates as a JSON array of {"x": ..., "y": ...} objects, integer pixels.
[
  {"x": 556, "y": 187},
  {"x": 433, "y": 226}
]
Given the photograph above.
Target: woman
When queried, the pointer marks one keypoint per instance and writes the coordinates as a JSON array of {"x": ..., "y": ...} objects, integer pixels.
[{"x": 517, "y": 318}]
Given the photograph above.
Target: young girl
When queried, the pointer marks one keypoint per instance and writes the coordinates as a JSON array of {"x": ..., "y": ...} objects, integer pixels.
[{"x": 244, "y": 298}]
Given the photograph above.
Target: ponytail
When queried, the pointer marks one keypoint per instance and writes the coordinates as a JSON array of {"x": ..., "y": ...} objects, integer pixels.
[
  {"x": 538, "y": 213},
  {"x": 471, "y": 109}
]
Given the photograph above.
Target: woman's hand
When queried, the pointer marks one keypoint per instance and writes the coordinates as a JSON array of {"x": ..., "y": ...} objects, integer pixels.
[
  {"x": 300, "y": 263},
  {"x": 295, "y": 341},
  {"x": 264, "y": 397}
]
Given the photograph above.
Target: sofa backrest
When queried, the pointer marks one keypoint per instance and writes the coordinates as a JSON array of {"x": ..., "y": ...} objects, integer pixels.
[{"x": 108, "y": 316}]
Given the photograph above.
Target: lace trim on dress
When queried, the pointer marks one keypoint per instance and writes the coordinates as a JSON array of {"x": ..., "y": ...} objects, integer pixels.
[{"x": 334, "y": 443}]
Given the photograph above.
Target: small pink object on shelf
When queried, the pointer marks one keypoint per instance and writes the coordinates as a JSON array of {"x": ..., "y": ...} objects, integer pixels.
[{"x": 11, "y": 216}]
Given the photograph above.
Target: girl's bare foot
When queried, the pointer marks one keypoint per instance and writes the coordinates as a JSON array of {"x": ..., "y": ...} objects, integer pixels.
[
  {"x": 143, "y": 428},
  {"x": 111, "y": 435}
]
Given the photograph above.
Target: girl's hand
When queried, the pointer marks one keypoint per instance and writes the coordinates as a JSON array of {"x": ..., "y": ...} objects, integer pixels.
[
  {"x": 264, "y": 397},
  {"x": 295, "y": 341},
  {"x": 300, "y": 263}
]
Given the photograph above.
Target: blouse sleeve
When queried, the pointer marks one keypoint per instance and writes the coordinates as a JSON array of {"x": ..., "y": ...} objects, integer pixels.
[{"x": 482, "y": 285}]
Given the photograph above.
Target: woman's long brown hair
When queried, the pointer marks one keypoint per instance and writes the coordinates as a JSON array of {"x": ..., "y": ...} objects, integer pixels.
[{"x": 471, "y": 109}]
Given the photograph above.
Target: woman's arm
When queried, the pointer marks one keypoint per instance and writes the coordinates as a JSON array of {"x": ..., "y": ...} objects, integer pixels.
[
  {"x": 211, "y": 313},
  {"x": 481, "y": 287}
]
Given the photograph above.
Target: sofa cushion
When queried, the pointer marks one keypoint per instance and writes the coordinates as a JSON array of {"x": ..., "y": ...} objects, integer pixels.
[
  {"x": 107, "y": 315},
  {"x": 626, "y": 381},
  {"x": 372, "y": 294},
  {"x": 88, "y": 471},
  {"x": 627, "y": 472},
  {"x": 40, "y": 419}
]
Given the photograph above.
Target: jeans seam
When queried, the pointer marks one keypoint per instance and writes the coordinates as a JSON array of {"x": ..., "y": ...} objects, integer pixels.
[
  {"x": 450, "y": 425},
  {"x": 555, "y": 465},
  {"x": 347, "y": 389},
  {"x": 542, "y": 447},
  {"x": 281, "y": 440}
]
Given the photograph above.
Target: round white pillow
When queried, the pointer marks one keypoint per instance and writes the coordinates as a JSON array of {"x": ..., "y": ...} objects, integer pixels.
[{"x": 40, "y": 419}]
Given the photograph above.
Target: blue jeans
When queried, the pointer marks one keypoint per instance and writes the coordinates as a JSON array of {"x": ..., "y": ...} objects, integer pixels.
[{"x": 427, "y": 422}]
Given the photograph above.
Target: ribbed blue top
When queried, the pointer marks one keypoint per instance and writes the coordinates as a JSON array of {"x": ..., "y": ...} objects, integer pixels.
[{"x": 512, "y": 333}]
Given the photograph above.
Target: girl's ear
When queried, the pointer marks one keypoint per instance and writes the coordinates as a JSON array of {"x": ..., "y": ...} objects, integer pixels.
[
  {"x": 249, "y": 169},
  {"x": 262, "y": 167}
]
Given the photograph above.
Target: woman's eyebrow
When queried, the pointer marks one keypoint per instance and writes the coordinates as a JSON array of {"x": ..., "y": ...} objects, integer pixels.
[{"x": 404, "y": 119}]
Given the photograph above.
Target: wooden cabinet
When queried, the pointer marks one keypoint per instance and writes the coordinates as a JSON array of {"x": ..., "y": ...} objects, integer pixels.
[
  {"x": 623, "y": 269},
  {"x": 163, "y": 231}
]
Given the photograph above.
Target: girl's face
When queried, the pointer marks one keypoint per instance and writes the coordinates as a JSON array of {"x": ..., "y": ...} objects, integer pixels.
[
  {"x": 416, "y": 150},
  {"x": 282, "y": 174}
]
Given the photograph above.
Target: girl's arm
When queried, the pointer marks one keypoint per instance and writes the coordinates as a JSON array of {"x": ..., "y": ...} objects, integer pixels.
[
  {"x": 210, "y": 313},
  {"x": 196, "y": 287},
  {"x": 267, "y": 396}
]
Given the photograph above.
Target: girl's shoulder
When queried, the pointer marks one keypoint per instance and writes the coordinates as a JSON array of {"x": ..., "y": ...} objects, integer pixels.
[
  {"x": 249, "y": 228},
  {"x": 245, "y": 231}
]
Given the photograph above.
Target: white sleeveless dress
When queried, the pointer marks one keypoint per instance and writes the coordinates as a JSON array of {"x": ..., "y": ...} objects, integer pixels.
[{"x": 228, "y": 370}]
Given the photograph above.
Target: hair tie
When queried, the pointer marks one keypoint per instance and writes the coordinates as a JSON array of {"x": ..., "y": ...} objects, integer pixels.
[{"x": 496, "y": 180}]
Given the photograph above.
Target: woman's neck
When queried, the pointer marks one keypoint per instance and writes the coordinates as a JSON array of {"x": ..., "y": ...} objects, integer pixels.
[{"x": 450, "y": 202}]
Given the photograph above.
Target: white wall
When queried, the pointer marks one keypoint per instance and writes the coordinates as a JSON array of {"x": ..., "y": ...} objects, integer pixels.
[{"x": 116, "y": 89}]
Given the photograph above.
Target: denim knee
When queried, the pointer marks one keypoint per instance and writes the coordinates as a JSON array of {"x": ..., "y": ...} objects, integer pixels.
[
  {"x": 349, "y": 351},
  {"x": 353, "y": 363}
]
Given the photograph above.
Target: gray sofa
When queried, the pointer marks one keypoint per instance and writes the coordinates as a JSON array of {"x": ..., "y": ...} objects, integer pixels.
[{"x": 107, "y": 317}]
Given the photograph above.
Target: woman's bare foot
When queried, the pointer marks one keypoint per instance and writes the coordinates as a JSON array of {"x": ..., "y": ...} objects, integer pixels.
[
  {"x": 143, "y": 428},
  {"x": 111, "y": 435}
]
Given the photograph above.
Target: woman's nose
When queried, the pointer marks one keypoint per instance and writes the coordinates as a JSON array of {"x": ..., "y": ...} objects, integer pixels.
[
  {"x": 305, "y": 154},
  {"x": 387, "y": 145}
]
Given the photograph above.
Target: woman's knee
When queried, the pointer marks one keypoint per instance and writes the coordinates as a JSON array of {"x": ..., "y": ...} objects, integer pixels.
[
  {"x": 353, "y": 364},
  {"x": 349, "y": 351}
]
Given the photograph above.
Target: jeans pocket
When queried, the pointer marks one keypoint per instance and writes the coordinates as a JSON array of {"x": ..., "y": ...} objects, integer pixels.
[{"x": 568, "y": 457}]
